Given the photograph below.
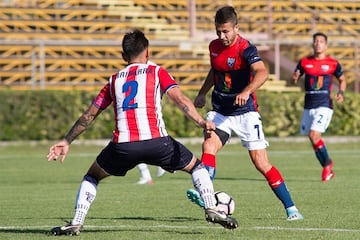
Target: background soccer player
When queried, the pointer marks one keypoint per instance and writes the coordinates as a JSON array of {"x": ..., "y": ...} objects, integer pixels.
[
  {"x": 145, "y": 174},
  {"x": 236, "y": 72},
  {"x": 319, "y": 70}
]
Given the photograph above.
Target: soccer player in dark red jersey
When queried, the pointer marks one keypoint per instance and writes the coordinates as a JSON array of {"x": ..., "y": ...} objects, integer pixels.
[
  {"x": 236, "y": 72},
  {"x": 140, "y": 135},
  {"x": 319, "y": 70}
]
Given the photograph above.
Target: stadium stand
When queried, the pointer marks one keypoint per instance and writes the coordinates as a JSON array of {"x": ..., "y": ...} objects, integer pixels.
[{"x": 76, "y": 43}]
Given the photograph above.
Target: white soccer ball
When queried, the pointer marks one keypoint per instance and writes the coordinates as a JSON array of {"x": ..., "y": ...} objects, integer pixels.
[{"x": 225, "y": 202}]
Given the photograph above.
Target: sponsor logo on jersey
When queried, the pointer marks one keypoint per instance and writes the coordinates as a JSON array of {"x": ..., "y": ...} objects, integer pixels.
[
  {"x": 325, "y": 68},
  {"x": 309, "y": 66},
  {"x": 231, "y": 62}
]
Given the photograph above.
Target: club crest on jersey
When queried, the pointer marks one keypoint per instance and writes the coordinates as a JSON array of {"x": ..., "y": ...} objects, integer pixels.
[
  {"x": 325, "y": 68},
  {"x": 231, "y": 62}
]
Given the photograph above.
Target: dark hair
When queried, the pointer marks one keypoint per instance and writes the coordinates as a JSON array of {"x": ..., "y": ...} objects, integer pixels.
[
  {"x": 319, "y": 34},
  {"x": 133, "y": 44},
  {"x": 226, "y": 14}
]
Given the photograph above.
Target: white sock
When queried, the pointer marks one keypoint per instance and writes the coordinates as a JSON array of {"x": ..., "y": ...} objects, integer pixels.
[
  {"x": 144, "y": 171},
  {"x": 204, "y": 185},
  {"x": 86, "y": 195}
]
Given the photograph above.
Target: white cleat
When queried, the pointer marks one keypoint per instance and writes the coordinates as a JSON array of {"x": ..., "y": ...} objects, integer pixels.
[{"x": 216, "y": 216}]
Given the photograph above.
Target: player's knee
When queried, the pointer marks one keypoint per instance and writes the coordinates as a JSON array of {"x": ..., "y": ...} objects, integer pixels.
[{"x": 314, "y": 136}]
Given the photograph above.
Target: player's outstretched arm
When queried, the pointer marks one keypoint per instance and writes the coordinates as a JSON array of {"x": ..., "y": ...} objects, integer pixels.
[
  {"x": 62, "y": 147},
  {"x": 186, "y": 105}
]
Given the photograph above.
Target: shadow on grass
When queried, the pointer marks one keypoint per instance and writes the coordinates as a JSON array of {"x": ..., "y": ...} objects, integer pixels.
[
  {"x": 89, "y": 230},
  {"x": 172, "y": 219},
  {"x": 159, "y": 226},
  {"x": 114, "y": 229},
  {"x": 24, "y": 231},
  {"x": 155, "y": 219}
]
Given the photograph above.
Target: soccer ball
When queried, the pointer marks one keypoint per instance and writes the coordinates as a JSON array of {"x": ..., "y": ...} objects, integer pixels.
[{"x": 225, "y": 202}]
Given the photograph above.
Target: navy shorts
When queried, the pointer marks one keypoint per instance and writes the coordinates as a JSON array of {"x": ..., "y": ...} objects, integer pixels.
[{"x": 117, "y": 158}]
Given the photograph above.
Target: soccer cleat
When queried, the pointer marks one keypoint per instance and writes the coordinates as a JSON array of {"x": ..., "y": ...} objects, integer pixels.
[
  {"x": 215, "y": 216},
  {"x": 68, "y": 229},
  {"x": 145, "y": 181},
  {"x": 327, "y": 173},
  {"x": 293, "y": 215},
  {"x": 195, "y": 197}
]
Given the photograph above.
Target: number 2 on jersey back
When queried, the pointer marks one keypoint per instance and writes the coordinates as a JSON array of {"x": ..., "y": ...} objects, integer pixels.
[{"x": 130, "y": 89}]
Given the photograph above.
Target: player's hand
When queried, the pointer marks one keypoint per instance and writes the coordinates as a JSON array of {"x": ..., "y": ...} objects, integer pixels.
[
  {"x": 59, "y": 149},
  {"x": 241, "y": 98},
  {"x": 200, "y": 101},
  {"x": 208, "y": 126},
  {"x": 339, "y": 97},
  {"x": 296, "y": 76}
]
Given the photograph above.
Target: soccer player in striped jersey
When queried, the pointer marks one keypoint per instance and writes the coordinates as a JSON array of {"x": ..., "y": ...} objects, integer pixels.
[
  {"x": 236, "y": 72},
  {"x": 319, "y": 70},
  {"x": 140, "y": 135}
]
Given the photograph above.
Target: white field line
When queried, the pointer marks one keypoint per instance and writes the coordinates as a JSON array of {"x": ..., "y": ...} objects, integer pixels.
[
  {"x": 307, "y": 229},
  {"x": 192, "y": 227}
]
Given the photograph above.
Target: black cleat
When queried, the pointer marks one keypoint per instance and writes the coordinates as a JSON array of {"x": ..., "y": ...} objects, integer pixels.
[
  {"x": 68, "y": 230},
  {"x": 215, "y": 216}
]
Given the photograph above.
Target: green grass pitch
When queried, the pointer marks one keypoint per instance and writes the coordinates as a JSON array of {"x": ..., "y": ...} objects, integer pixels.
[{"x": 36, "y": 195}]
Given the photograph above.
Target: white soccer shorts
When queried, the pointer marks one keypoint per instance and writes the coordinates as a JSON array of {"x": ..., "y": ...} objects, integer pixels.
[
  {"x": 247, "y": 126},
  {"x": 316, "y": 119}
]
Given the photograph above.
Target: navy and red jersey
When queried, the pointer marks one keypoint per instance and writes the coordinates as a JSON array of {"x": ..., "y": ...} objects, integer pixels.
[
  {"x": 231, "y": 65},
  {"x": 319, "y": 76}
]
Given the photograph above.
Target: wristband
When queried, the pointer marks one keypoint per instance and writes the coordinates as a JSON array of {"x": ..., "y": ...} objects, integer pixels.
[{"x": 340, "y": 92}]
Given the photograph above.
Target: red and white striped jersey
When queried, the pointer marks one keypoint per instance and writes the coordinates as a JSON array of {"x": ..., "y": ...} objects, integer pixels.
[{"x": 136, "y": 93}]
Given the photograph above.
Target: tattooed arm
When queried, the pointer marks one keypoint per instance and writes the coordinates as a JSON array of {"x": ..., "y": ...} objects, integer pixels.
[
  {"x": 82, "y": 123},
  {"x": 61, "y": 148},
  {"x": 187, "y": 106}
]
